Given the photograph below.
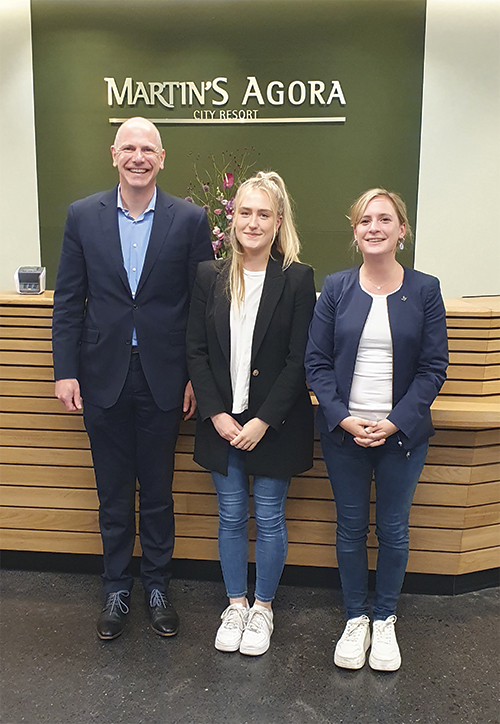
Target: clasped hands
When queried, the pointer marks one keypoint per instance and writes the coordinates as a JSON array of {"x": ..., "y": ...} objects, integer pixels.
[
  {"x": 243, "y": 437},
  {"x": 367, "y": 433}
]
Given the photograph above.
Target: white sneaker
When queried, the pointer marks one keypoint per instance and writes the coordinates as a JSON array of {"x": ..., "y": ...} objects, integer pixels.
[
  {"x": 385, "y": 655},
  {"x": 351, "y": 648},
  {"x": 257, "y": 634},
  {"x": 229, "y": 633}
]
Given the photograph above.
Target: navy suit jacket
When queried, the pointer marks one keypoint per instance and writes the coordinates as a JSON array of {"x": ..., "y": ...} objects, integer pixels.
[
  {"x": 417, "y": 321},
  {"x": 95, "y": 313}
]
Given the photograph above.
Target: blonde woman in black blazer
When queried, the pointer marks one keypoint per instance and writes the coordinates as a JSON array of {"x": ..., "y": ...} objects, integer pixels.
[{"x": 246, "y": 339}]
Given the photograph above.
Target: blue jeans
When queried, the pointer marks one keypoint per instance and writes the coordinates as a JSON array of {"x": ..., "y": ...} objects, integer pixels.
[
  {"x": 396, "y": 471},
  {"x": 269, "y": 496}
]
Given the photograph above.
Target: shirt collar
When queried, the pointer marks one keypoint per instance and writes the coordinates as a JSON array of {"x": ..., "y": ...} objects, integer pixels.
[{"x": 150, "y": 207}]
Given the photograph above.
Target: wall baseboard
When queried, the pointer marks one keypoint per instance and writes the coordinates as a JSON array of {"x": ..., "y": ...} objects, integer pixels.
[{"x": 309, "y": 576}]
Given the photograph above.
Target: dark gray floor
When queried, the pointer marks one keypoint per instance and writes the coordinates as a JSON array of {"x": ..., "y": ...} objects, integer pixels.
[{"x": 56, "y": 671}]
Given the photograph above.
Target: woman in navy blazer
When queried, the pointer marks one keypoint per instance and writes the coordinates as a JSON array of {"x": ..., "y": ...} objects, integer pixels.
[
  {"x": 376, "y": 359},
  {"x": 246, "y": 339}
]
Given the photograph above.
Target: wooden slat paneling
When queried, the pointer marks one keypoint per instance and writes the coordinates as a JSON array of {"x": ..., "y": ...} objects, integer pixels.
[
  {"x": 24, "y": 311},
  {"x": 26, "y": 345},
  {"x": 32, "y": 404},
  {"x": 25, "y": 421},
  {"x": 48, "y": 500},
  {"x": 474, "y": 351},
  {"x": 24, "y": 333},
  {"x": 16, "y": 372},
  {"x": 476, "y": 387},
  {"x": 13, "y": 320},
  {"x": 473, "y": 323},
  {"x": 45, "y": 439},
  {"x": 465, "y": 438},
  {"x": 466, "y": 332},
  {"x": 28, "y": 388},
  {"x": 463, "y": 456},
  {"x": 474, "y": 372},
  {"x": 42, "y": 359}
]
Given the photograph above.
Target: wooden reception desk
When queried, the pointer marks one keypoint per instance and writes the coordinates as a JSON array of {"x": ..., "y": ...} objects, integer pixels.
[{"x": 48, "y": 501}]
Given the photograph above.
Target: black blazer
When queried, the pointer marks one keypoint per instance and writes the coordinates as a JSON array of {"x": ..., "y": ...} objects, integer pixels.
[
  {"x": 278, "y": 393},
  {"x": 95, "y": 313},
  {"x": 417, "y": 321}
]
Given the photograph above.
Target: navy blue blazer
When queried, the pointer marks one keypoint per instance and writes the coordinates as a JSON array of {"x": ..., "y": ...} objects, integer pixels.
[
  {"x": 95, "y": 313},
  {"x": 417, "y": 321}
]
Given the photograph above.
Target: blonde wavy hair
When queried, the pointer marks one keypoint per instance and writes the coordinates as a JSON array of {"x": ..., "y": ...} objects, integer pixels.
[{"x": 286, "y": 241}]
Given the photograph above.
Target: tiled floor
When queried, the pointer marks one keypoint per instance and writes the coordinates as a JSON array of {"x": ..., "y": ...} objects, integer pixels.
[{"x": 56, "y": 671}]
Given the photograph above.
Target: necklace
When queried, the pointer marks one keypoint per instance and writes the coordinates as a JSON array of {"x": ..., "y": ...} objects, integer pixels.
[{"x": 376, "y": 285}]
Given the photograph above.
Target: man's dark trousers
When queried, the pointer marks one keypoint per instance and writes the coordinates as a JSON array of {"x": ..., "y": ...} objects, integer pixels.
[{"x": 134, "y": 439}]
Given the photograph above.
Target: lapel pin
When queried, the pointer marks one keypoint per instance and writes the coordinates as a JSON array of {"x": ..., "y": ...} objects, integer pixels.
[{"x": 403, "y": 299}]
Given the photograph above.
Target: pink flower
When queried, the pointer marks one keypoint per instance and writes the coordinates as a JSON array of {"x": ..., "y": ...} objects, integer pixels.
[
  {"x": 216, "y": 245},
  {"x": 228, "y": 180},
  {"x": 216, "y": 231},
  {"x": 229, "y": 217},
  {"x": 217, "y": 212}
]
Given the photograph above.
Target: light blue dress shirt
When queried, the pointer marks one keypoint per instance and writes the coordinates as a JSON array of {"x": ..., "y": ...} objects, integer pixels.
[{"x": 134, "y": 239}]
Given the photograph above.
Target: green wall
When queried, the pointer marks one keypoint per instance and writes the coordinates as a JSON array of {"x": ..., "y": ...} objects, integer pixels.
[{"x": 373, "y": 47}]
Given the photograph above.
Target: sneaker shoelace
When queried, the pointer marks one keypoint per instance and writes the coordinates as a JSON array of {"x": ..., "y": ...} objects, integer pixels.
[
  {"x": 256, "y": 621},
  {"x": 385, "y": 629},
  {"x": 355, "y": 630},
  {"x": 115, "y": 599},
  {"x": 158, "y": 598},
  {"x": 234, "y": 617}
]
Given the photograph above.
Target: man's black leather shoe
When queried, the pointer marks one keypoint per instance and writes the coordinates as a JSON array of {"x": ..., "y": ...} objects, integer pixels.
[
  {"x": 163, "y": 616},
  {"x": 113, "y": 616}
]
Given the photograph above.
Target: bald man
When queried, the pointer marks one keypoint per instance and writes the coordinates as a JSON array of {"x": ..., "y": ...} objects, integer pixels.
[{"x": 121, "y": 300}]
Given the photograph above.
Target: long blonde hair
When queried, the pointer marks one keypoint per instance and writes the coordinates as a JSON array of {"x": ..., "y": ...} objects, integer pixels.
[{"x": 286, "y": 242}]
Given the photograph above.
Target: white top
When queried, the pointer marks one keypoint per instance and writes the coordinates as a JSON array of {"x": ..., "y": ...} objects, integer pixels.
[
  {"x": 242, "y": 324},
  {"x": 371, "y": 389}
]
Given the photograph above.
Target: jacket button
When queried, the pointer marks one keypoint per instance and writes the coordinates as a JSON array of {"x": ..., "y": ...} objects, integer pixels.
[
  {"x": 255, "y": 373},
  {"x": 128, "y": 341},
  {"x": 134, "y": 306}
]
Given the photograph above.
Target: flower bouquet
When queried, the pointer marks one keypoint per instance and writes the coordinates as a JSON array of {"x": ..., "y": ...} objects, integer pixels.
[{"x": 214, "y": 190}]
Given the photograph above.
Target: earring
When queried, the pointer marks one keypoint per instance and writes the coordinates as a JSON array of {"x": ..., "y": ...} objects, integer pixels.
[
  {"x": 356, "y": 247},
  {"x": 401, "y": 244}
]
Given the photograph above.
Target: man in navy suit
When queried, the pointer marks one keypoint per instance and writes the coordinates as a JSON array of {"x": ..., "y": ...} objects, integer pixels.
[{"x": 121, "y": 301}]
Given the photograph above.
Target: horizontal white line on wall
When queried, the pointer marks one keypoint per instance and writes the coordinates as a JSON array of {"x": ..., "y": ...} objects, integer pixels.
[{"x": 225, "y": 121}]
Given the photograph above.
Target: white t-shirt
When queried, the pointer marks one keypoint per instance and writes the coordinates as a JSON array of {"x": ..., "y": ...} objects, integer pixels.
[
  {"x": 371, "y": 389},
  {"x": 242, "y": 324}
]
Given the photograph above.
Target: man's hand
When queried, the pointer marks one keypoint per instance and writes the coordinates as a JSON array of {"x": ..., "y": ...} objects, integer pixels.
[
  {"x": 226, "y": 426},
  {"x": 251, "y": 433},
  {"x": 189, "y": 404},
  {"x": 68, "y": 391}
]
